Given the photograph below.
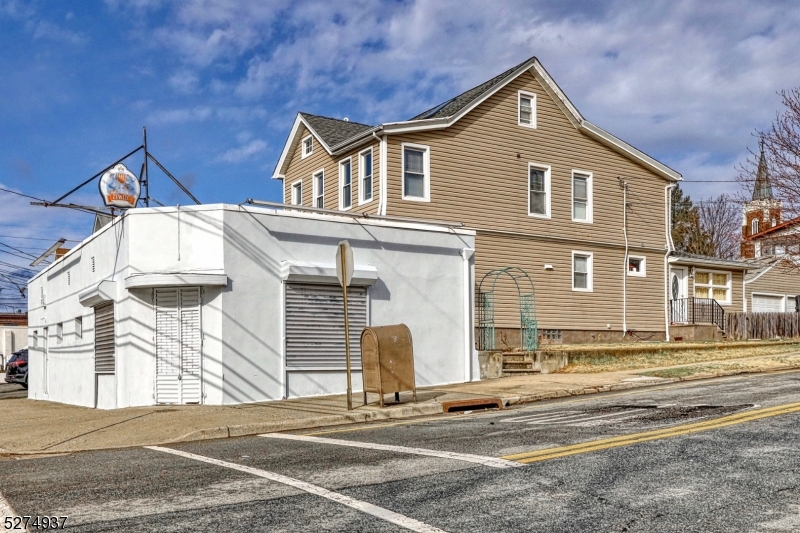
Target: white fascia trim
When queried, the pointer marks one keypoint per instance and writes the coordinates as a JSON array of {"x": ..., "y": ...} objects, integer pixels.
[
  {"x": 626, "y": 149},
  {"x": 426, "y": 168},
  {"x": 547, "y": 189},
  {"x": 767, "y": 269},
  {"x": 589, "y": 196},
  {"x": 361, "y": 200},
  {"x": 278, "y": 173},
  {"x": 175, "y": 279},
  {"x": 325, "y": 273},
  {"x": 728, "y": 266}
]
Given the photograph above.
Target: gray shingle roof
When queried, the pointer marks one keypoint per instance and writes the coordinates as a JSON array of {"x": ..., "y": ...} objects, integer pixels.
[
  {"x": 332, "y": 130},
  {"x": 456, "y": 104}
]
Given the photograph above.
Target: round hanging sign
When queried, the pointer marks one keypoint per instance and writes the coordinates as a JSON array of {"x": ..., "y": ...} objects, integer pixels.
[{"x": 120, "y": 187}]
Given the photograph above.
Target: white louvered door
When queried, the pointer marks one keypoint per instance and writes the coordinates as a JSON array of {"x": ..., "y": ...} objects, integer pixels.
[
  {"x": 104, "y": 339},
  {"x": 178, "y": 345}
]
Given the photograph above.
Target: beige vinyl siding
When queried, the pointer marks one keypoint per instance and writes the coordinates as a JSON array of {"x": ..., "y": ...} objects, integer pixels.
[
  {"x": 782, "y": 279},
  {"x": 557, "y": 305},
  {"x": 737, "y": 279},
  {"x": 479, "y": 174},
  {"x": 299, "y": 168}
]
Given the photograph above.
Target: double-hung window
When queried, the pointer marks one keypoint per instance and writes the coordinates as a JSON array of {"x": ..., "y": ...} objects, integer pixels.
[
  {"x": 716, "y": 285},
  {"x": 538, "y": 190},
  {"x": 318, "y": 181},
  {"x": 345, "y": 184},
  {"x": 527, "y": 109},
  {"x": 308, "y": 146},
  {"x": 637, "y": 266},
  {"x": 582, "y": 271},
  {"x": 581, "y": 196},
  {"x": 297, "y": 192},
  {"x": 416, "y": 172},
  {"x": 365, "y": 175}
]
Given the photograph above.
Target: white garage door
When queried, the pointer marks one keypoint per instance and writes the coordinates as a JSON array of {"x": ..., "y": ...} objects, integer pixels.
[
  {"x": 315, "y": 325},
  {"x": 178, "y": 345},
  {"x": 767, "y": 304}
]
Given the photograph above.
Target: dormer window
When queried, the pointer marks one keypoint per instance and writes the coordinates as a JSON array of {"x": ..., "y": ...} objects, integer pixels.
[
  {"x": 308, "y": 146},
  {"x": 754, "y": 226},
  {"x": 527, "y": 109}
]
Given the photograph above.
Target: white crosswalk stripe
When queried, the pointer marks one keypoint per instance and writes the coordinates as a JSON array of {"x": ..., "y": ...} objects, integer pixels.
[{"x": 575, "y": 418}]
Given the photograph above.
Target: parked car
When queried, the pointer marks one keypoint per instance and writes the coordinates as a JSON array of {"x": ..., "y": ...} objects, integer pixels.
[{"x": 17, "y": 368}]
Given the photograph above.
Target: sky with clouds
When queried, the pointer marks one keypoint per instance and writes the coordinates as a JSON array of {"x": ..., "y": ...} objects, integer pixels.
[{"x": 218, "y": 83}]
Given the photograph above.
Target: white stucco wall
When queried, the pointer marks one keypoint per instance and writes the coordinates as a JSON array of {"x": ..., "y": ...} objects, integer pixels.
[{"x": 421, "y": 282}]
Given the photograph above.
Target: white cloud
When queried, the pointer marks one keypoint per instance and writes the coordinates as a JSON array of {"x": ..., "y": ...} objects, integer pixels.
[
  {"x": 184, "y": 82},
  {"x": 242, "y": 153},
  {"x": 179, "y": 116}
]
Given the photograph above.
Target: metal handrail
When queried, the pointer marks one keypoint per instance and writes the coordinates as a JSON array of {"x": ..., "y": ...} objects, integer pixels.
[{"x": 697, "y": 311}]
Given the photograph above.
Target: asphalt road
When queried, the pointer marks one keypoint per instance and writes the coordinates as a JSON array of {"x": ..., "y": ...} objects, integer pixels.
[
  {"x": 722, "y": 457},
  {"x": 11, "y": 390}
]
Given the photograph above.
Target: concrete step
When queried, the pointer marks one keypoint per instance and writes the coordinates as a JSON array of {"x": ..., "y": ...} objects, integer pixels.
[
  {"x": 520, "y": 365},
  {"x": 519, "y": 372},
  {"x": 514, "y": 358}
]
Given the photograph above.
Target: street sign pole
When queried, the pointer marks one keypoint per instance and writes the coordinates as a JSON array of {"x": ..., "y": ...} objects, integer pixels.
[{"x": 344, "y": 271}]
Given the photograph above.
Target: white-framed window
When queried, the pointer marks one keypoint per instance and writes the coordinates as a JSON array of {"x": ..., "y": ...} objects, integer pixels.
[
  {"x": 297, "y": 192},
  {"x": 416, "y": 172},
  {"x": 318, "y": 186},
  {"x": 365, "y": 181},
  {"x": 581, "y": 196},
  {"x": 345, "y": 184},
  {"x": 582, "y": 271},
  {"x": 713, "y": 284},
  {"x": 59, "y": 333},
  {"x": 637, "y": 266},
  {"x": 526, "y": 109},
  {"x": 754, "y": 226},
  {"x": 308, "y": 146},
  {"x": 538, "y": 190},
  {"x": 79, "y": 327}
]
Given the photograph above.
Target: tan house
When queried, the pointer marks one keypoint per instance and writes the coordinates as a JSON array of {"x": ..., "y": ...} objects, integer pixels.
[{"x": 582, "y": 213}]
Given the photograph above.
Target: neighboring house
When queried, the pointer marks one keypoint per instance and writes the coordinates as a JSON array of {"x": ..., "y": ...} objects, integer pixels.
[
  {"x": 13, "y": 335},
  {"x": 772, "y": 285},
  {"x": 702, "y": 289},
  {"x": 583, "y": 213},
  {"x": 764, "y": 231},
  {"x": 224, "y": 304}
]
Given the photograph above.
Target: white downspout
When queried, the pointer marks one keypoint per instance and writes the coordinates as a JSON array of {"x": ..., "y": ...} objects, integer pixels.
[
  {"x": 670, "y": 247},
  {"x": 384, "y": 172},
  {"x": 469, "y": 326},
  {"x": 625, "y": 265}
]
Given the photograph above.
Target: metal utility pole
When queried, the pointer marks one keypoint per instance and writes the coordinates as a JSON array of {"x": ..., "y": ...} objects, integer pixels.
[{"x": 146, "y": 175}]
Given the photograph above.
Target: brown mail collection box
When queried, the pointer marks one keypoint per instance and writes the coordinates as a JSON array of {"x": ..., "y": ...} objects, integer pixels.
[{"x": 387, "y": 361}]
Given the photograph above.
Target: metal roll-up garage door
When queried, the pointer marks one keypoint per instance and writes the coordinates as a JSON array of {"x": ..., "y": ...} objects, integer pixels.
[
  {"x": 767, "y": 304},
  {"x": 315, "y": 325},
  {"x": 104, "y": 338},
  {"x": 178, "y": 345}
]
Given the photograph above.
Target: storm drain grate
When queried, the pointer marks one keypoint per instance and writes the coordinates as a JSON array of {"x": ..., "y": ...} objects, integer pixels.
[{"x": 474, "y": 404}]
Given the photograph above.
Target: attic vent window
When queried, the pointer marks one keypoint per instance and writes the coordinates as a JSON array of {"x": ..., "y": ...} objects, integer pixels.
[
  {"x": 527, "y": 109},
  {"x": 308, "y": 146}
]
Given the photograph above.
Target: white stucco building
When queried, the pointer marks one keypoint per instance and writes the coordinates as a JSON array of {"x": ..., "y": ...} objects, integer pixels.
[{"x": 222, "y": 304}]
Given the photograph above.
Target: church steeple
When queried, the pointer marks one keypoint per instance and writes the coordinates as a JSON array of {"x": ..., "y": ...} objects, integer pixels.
[{"x": 762, "y": 190}]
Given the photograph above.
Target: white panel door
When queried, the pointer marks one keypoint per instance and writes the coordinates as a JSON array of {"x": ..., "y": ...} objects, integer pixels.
[
  {"x": 178, "y": 345},
  {"x": 767, "y": 304}
]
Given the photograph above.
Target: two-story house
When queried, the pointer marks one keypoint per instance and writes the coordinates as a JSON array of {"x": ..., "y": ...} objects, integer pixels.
[{"x": 583, "y": 213}]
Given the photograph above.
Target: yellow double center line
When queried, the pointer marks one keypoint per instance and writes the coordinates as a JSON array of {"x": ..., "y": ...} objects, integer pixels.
[{"x": 624, "y": 440}]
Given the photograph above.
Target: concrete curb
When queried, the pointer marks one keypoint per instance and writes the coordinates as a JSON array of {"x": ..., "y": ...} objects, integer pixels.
[{"x": 404, "y": 412}]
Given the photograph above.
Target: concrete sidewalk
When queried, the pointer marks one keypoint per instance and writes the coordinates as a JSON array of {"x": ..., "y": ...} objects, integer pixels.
[{"x": 38, "y": 427}]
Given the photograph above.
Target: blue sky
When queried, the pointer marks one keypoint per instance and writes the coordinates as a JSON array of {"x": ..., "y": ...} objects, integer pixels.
[{"x": 218, "y": 83}]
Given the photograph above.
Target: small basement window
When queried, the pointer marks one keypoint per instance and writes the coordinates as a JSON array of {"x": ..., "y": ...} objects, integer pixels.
[{"x": 636, "y": 266}]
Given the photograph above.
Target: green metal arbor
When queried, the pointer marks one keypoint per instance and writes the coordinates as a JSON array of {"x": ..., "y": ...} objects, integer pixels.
[{"x": 528, "y": 326}]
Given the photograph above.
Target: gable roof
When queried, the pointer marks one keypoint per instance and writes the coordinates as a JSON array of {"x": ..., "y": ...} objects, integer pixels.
[
  {"x": 457, "y": 103},
  {"x": 332, "y": 130},
  {"x": 685, "y": 258},
  {"x": 762, "y": 265},
  {"x": 447, "y": 113}
]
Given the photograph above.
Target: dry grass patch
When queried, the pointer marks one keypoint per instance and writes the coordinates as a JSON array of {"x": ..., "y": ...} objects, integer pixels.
[
  {"x": 589, "y": 364},
  {"x": 725, "y": 367}
]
